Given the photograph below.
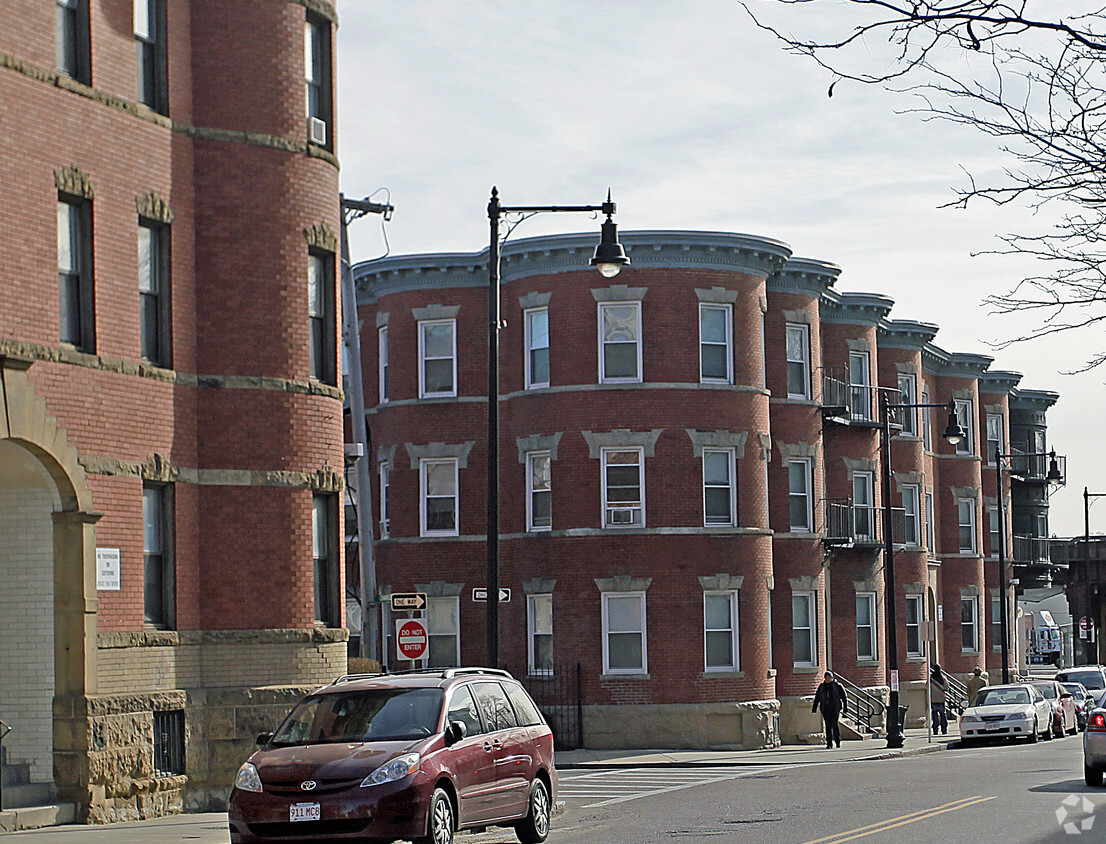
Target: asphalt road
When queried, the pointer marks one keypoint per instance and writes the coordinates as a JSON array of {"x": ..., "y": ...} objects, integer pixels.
[{"x": 1002, "y": 794}]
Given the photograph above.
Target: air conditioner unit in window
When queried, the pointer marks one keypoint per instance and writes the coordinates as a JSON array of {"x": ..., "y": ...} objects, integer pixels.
[
  {"x": 622, "y": 516},
  {"x": 316, "y": 130}
]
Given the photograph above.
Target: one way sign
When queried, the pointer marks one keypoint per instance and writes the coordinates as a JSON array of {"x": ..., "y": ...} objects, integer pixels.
[
  {"x": 480, "y": 593},
  {"x": 408, "y": 600}
]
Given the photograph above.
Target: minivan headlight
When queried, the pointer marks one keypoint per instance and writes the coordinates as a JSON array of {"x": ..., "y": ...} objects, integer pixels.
[
  {"x": 394, "y": 769},
  {"x": 247, "y": 778}
]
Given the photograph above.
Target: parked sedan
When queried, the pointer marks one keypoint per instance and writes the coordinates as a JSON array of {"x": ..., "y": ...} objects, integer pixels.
[
  {"x": 1063, "y": 706},
  {"x": 1091, "y": 676},
  {"x": 1094, "y": 744},
  {"x": 1013, "y": 711},
  {"x": 1084, "y": 702}
]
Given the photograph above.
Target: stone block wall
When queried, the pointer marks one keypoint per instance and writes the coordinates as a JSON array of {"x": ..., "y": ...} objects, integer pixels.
[{"x": 748, "y": 725}]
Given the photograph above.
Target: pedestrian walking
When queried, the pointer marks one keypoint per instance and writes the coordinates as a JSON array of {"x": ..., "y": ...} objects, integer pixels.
[
  {"x": 976, "y": 682},
  {"x": 830, "y": 698},
  {"x": 938, "y": 693}
]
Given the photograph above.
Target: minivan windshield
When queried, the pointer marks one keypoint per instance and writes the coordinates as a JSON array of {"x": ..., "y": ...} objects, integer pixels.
[{"x": 359, "y": 716}]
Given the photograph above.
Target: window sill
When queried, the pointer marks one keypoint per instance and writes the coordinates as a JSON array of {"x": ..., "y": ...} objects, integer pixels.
[
  {"x": 912, "y": 658},
  {"x": 609, "y": 676},
  {"x": 806, "y": 669},
  {"x": 772, "y": 673},
  {"x": 722, "y": 675},
  {"x": 867, "y": 663}
]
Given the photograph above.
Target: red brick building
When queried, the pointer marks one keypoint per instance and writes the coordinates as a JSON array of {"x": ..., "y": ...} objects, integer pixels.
[
  {"x": 690, "y": 465},
  {"x": 170, "y": 415}
]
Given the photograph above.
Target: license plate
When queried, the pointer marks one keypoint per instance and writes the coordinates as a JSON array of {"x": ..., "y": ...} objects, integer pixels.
[
  {"x": 304, "y": 812},
  {"x": 991, "y": 730}
]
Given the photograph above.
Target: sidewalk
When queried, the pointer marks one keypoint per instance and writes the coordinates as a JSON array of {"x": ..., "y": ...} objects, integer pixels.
[{"x": 788, "y": 754}]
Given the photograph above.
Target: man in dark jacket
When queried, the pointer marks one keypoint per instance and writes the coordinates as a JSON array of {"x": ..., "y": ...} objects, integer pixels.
[{"x": 830, "y": 698}]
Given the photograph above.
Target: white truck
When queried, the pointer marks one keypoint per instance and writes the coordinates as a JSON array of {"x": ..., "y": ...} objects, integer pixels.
[{"x": 1042, "y": 638}]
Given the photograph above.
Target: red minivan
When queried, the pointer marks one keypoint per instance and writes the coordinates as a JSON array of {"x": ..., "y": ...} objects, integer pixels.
[{"x": 414, "y": 756}]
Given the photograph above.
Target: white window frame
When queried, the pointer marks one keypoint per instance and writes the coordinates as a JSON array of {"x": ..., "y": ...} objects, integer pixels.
[
  {"x": 424, "y": 465},
  {"x": 735, "y": 645},
  {"x": 804, "y": 336},
  {"x": 455, "y": 603},
  {"x": 603, "y": 378},
  {"x": 382, "y": 362},
  {"x": 727, "y": 311},
  {"x": 911, "y": 521},
  {"x": 811, "y": 632},
  {"x": 973, "y": 624},
  {"x": 423, "y": 359},
  {"x": 532, "y": 632},
  {"x": 608, "y": 632},
  {"x": 807, "y": 494},
  {"x": 868, "y": 485},
  {"x": 531, "y": 456},
  {"x": 965, "y": 415},
  {"x": 966, "y": 505},
  {"x": 860, "y": 385},
  {"x": 931, "y": 524},
  {"x": 994, "y": 532},
  {"x": 919, "y": 624},
  {"x": 908, "y": 392},
  {"x": 998, "y": 443},
  {"x": 385, "y": 470},
  {"x": 927, "y": 428},
  {"x": 609, "y": 508},
  {"x": 731, "y": 487},
  {"x": 996, "y": 623},
  {"x": 530, "y": 348},
  {"x": 868, "y": 598}
]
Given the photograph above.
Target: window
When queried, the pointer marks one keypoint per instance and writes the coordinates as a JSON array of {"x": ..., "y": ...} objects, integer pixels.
[
  {"x": 75, "y": 300},
  {"x": 799, "y": 495},
  {"x": 720, "y": 638},
  {"x": 157, "y": 555},
  {"x": 965, "y": 508},
  {"x": 624, "y": 633},
  {"x": 715, "y": 344},
  {"x": 623, "y": 487},
  {"x": 864, "y": 512},
  {"x": 619, "y": 342},
  {"x": 169, "y": 743},
  {"x": 860, "y": 386},
  {"x": 930, "y": 525},
  {"x": 798, "y": 361},
  {"x": 493, "y": 703},
  {"x": 382, "y": 361},
  {"x": 908, "y": 394},
  {"x": 539, "y": 628},
  {"x": 539, "y": 491},
  {"x": 443, "y": 629},
  {"x": 149, "y": 42},
  {"x": 914, "y": 625},
  {"x": 927, "y": 431},
  {"x": 437, "y": 358},
  {"x": 462, "y": 708},
  {"x": 71, "y": 45},
  {"x": 320, "y": 314},
  {"x": 804, "y": 624},
  {"x": 153, "y": 292},
  {"x": 537, "y": 348},
  {"x": 316, "y": 61},
  {"x": 969, "y": 626},
  {"x": 996, "y": 623},
  {"x": 719, "y": 487},
  {"x": 911, "y": 533},
  {"x": 438, "y": 481},
  {"x": 385, "y": 506},
  {"x": 1042, "y": 526},
  {"x": 866, "y": 625},
  {"x": 995, "y": 438},
  {"x": 965, "y": 418},
  {"x": 994, "y": 532},
  {"x": 324, "y": 547}
]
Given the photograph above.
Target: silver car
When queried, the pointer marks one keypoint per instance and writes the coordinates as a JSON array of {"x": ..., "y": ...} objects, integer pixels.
[
  {"x": 1094, "y": 743},
  {"x": 1006, "y": 712}
]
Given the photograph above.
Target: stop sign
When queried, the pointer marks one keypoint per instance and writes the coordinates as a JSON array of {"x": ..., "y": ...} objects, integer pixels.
[
  {"x": 1084, "y": 623},
  {"x": 411, "y": 640}
]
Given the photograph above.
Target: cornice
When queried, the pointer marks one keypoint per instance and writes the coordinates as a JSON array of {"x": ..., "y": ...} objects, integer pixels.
[
  {"x": 999, "y": 381},
  {"x": 863, "y": 308},
  {"x": 936, "y": 361},
  {"x": 804, "y": 275},
  {"x": 905, "y": 334},
  {"x": 1038, "y": 400}
]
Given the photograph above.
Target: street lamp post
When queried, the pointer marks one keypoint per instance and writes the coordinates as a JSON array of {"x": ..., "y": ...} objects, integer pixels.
[
  {"x": 953, "y": 434},
  {"x": 1053, "y": 476},
  {"x": 1087, "y": 496},
  {"x": 609, "y": 258}
]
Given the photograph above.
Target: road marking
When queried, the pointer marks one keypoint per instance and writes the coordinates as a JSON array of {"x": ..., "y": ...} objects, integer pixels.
[
  {"x": 902, "y": 820},
  {"x": 621, "y": 786}
]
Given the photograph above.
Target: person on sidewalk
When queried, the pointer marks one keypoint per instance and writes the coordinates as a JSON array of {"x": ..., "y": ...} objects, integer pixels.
[
  {"x": 976, "y": 682},
  {"x": 938, "y": 693},
  {"x": 830, "y": 698}
]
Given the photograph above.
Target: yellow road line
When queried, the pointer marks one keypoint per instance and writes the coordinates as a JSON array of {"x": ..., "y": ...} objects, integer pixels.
[{"x": 902, "y": 820}]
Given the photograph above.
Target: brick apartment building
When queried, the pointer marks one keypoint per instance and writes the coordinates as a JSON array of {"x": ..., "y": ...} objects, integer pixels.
[
  {"x": 170, "y": 416},
  {"x": 689, "y": 479}
]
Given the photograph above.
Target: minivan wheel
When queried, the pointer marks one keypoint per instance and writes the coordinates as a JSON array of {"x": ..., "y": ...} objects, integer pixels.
[
  {"x": 534, "y": 828},
  {"x": 439, "y": 826},
  {"x": 1092, "y": 776}
]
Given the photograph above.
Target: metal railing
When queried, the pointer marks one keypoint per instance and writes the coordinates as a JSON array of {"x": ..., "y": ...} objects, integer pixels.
[
  {"x": 557, "y": 691},
  {"x": 1028, "y": 465},
  {"x": 851, "y": 526},
  {"x": 1031, "y": 549},
  {"x": 956, "y": 697},
  {"x": 861, "y": 706}
]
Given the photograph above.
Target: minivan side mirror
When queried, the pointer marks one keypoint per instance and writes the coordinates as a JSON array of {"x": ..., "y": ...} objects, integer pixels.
[
  {"x": 455, "y": 732},
  {"x": 263, "y": 739}
]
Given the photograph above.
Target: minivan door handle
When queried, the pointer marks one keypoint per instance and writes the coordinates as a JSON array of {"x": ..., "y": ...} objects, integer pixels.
[{"x": 492, "y": 745}]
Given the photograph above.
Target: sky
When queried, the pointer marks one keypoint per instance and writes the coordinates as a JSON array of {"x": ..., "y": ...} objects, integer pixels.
[{"x": 696, "y": 120}]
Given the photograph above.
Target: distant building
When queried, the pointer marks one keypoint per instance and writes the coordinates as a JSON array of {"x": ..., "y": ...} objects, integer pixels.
[
  {"x": 690, "y": 479},
  {"x": 170, "y": 416}
]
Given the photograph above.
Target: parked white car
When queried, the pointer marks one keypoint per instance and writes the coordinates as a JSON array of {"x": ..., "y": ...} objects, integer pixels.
[{"x": 1006, "y": 712}]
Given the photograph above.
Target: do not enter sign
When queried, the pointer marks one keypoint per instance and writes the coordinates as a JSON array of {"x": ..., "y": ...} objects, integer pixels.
[{"x": 411, "y": 639}]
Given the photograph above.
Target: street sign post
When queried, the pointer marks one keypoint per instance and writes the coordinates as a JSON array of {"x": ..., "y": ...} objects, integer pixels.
[
  {"x": 480, "y": 593},
  {"x": 408, "y": 601},
  {"x": 411, "y": 638}
]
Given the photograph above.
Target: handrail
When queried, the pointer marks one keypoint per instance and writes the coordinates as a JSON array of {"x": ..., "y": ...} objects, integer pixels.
[
  {"x": 860, "y": 706},
  {"x": 956, "y": 697}
]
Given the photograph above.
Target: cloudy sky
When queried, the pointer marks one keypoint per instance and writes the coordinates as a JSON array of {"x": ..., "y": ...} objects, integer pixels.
[{"x": 696, "y": 120}]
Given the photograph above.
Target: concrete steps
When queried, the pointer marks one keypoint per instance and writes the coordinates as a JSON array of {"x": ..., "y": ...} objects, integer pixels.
[{"x": 37, "y": 817}]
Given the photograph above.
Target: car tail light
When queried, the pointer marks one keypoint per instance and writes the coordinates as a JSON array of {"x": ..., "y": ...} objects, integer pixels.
[{"x": 1097, "y": 723}]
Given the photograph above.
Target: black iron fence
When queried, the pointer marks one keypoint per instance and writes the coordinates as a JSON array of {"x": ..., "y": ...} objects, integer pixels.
[{"x": 557, "y": 692}]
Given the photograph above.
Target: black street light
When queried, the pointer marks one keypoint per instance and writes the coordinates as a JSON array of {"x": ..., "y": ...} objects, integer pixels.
[
  {"x": 953, "y": 433},
  {"x": 1097, "y": 615},
  {"x": 609, "y": 258},
  {"x": 1053, "y": 477}
]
